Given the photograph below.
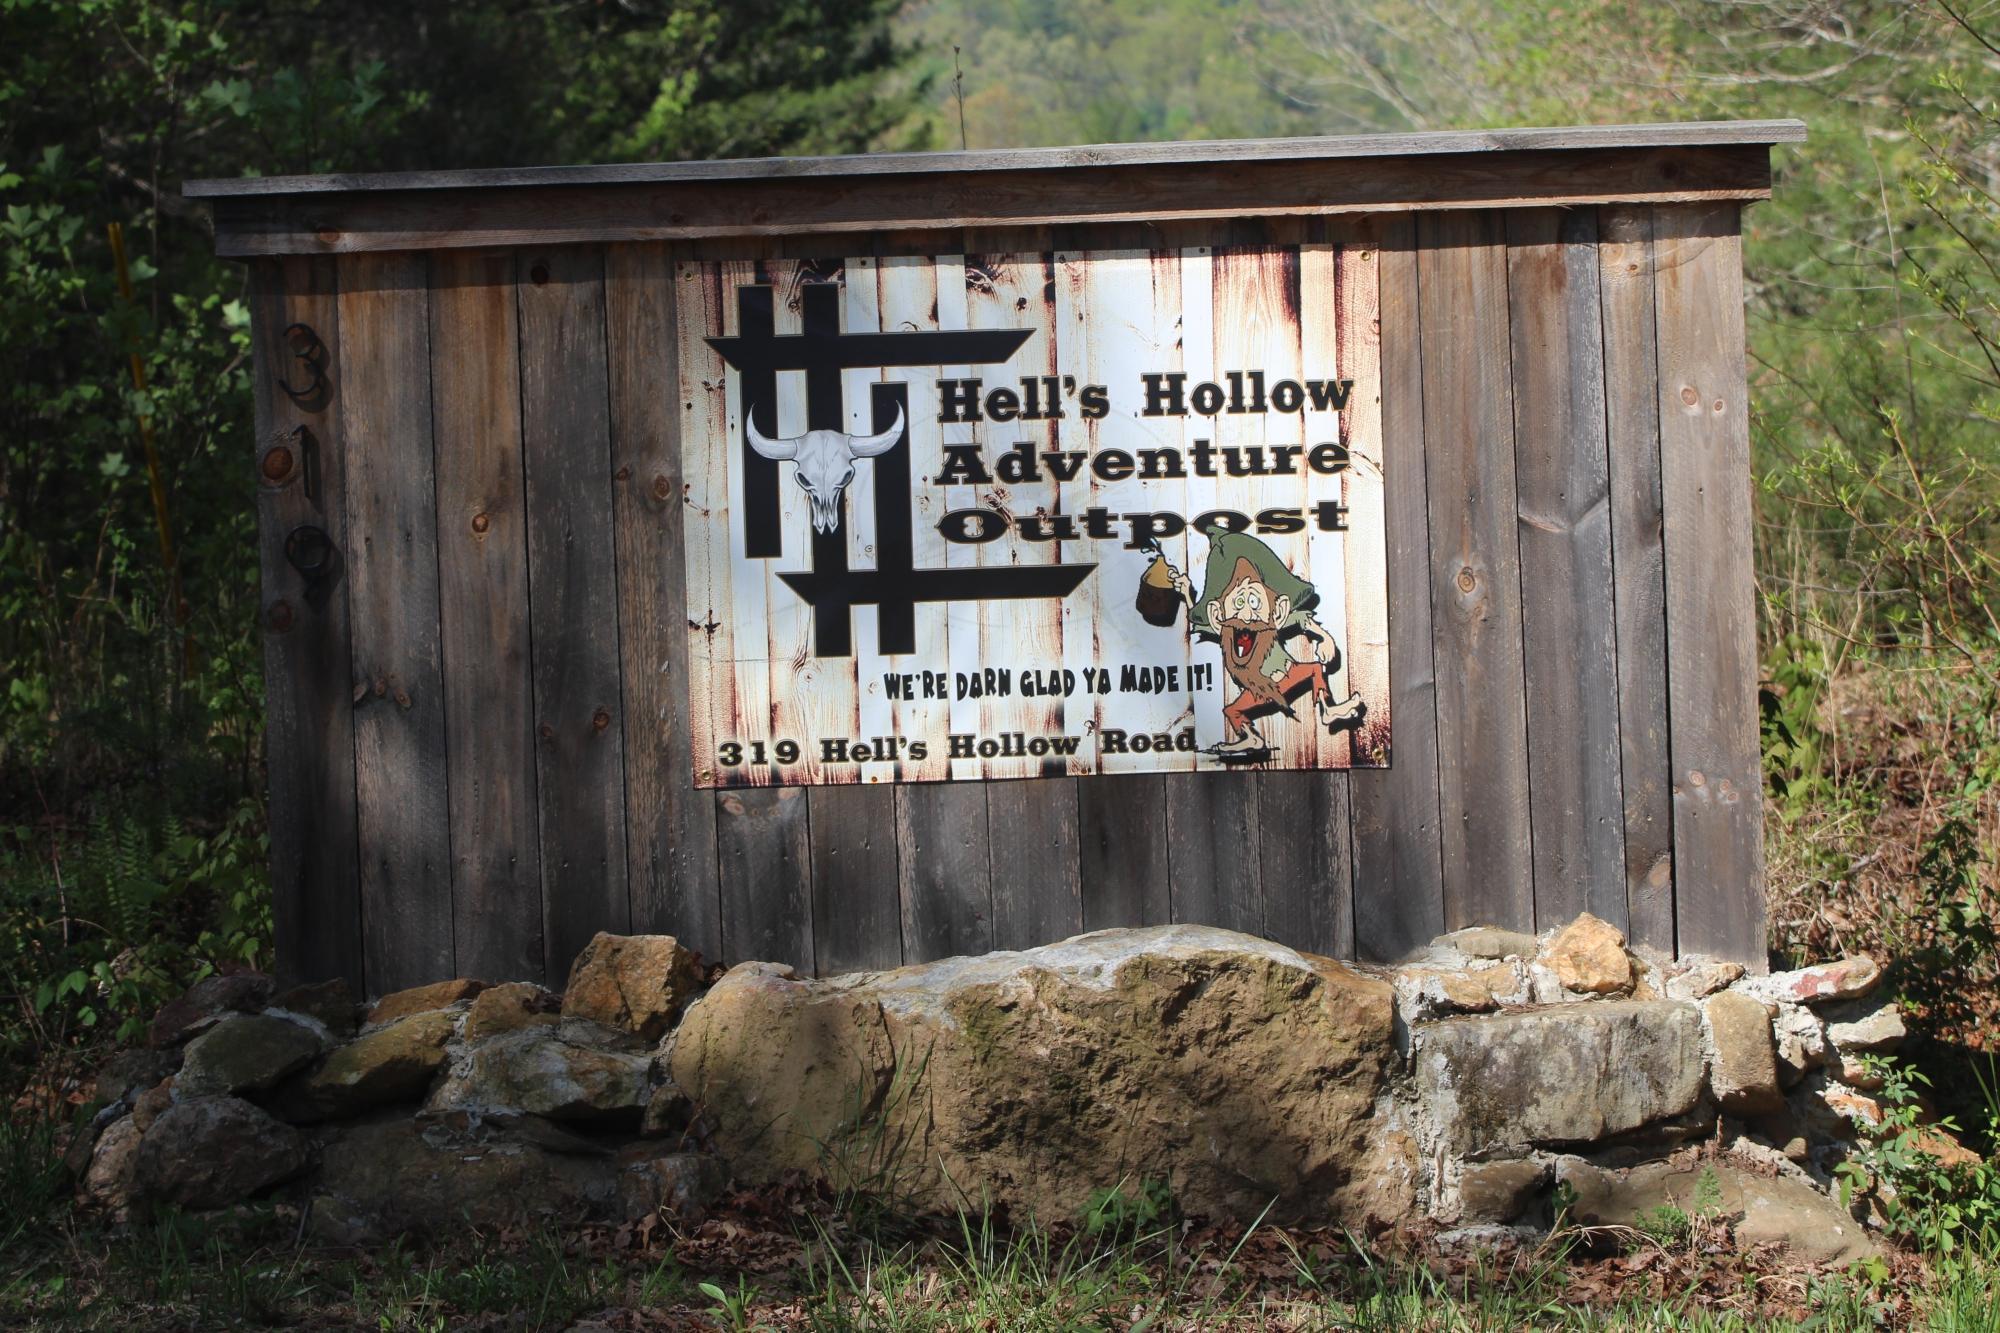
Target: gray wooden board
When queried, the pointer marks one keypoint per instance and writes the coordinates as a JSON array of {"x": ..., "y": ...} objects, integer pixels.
[
  {"x": 1304, "y": 861},
  {"x": 1398, "y": 874},
  {"x": 1475, "y": 571},
  {"x": 1037, "y": 896},
  {"x": 1213, "y": 839},
  {"x": 401, "y": 762},
  {"x": 1086, "y": 157},
  {"x": 669, "y": 826},
  {"x": 483, "y": 617},
  {"x": 764, "y": 852},
  {"x": 405, "y": 219},
  {"x": 1563, "y": 504},
  {"x": 573, "y": 587},
  {"x": 309, "y": 726},
  {"x": 943, "y": 874},
  {"x": 1711, "y": 609},
  {"x": 1122, "y": 833},
  {"x": 1632, "y": 410},
  {"x": 857, "y": 924}
]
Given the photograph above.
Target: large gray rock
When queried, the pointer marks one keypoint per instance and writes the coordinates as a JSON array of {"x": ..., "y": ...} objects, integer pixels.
[
  {"x": 1744, "y": 1073},
  {"x": 562, "y": 1072},
  {"x": 208, "y": 1152},
  {"x": 110, "y": 1184},
  {"x": 203, "y": 1003},
  {"x": 1571, "y": 1074},
  {"x": 1241, "y": 1073},
  {"x": 1764, "y": 1208},
  {"x": 245, "y": 1053}
]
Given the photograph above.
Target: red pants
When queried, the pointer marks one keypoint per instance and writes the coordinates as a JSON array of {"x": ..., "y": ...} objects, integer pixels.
[{"x": 1236, "y": 716}]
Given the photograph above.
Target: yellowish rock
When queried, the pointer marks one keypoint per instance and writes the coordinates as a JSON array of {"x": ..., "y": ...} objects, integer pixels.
[
  {"x": 509, "y": 1008},
  {"x": 1589, "y": 957},
  {"x": 637, "y": 983},
  {"x": 419, "y": 999}
]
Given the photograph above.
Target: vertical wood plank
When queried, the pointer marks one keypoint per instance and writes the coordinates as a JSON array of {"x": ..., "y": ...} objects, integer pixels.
[
  {"x": 669, "y": 826},
  {"x": 945, "y": 876},
  {"x": 1563, "y": 504},
  {"x": 1632, "y": 414},
  {"x": 1475, "y": 571},
  {"x": 1037, "y": 897},
  {"x": 1398, "y": 873},
  {"x": 764, "y": 852},
  {"x": 399, "y": 726},
  {"x": 309, "y": 721},
  {"x": 1122, "y": 840},
  {"x": 1304, "y": 822},
  {"x": 483, "y": 617},
  {"x": 573, "y": 584},
  {"x": 1213, "y": 837},
  {"x": 857, "y": 919},
  {"x": 1711, "y": 611}
]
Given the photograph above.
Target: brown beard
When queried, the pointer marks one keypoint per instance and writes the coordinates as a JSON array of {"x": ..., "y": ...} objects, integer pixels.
[{"x": 1245, "y": 645}]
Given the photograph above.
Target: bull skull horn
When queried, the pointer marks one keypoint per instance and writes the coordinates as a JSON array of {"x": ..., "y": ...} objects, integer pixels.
[
  {"x": 775, "y": 450},
  {"x": 867, "y": 446}
]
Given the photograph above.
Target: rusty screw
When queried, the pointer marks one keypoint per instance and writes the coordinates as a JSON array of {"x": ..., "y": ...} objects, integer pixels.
[{"x": 277, "y": 466}]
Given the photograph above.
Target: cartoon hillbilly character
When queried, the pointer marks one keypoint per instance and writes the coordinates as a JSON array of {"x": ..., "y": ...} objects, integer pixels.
[{"x": 1272, "y": 648}]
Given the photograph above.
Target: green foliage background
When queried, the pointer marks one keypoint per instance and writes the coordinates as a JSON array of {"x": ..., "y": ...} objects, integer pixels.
[{"x": 130, "y": 732}]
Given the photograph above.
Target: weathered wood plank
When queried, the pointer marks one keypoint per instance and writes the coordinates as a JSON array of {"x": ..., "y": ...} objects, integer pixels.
[
  {"x": 1398, "y": 873},
  {"x": 764, "y": 852},
  {"x": 573, "y": 579},
  {"x": 415, "y": 219},
  {"x": 943, "y": 870},
  {"x": 1563, "y": 504},
  {"x": 1122, "y": 839},
  {"x": 669, "y": 826},
  {"x": 483, "y": 617},
  {"x": 309, "y": 722},
  {"x": 1087, "y": 157},
  {"x": 857, "y": 919},
  {"x": 1305, "y": 840},
  {"x": 1037, "y": 897},
  {"x": 1213, "y": 839},
  {"x": 1475, "y": 571},
  {"x": 401, "y": 762},
  {"x": 1632, "y": 411},
  {"x": 1711, "y": 611}
]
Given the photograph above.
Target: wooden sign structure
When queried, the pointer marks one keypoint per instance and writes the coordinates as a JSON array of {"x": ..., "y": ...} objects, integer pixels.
[{"x": 496, "y": 419}]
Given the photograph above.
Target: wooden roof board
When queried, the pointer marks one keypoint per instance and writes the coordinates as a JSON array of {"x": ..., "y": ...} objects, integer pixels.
[{"x": 1216, "y": 151}]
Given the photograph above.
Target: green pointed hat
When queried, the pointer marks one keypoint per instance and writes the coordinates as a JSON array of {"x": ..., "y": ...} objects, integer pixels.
[{"x": 1225, "y": 548}]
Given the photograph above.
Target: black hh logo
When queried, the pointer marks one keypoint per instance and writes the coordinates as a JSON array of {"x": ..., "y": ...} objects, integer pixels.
[{"x": 824, "y": 458}]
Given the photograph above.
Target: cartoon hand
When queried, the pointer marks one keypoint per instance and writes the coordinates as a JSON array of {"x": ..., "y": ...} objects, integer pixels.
[{"x": 1182, "y": 584}]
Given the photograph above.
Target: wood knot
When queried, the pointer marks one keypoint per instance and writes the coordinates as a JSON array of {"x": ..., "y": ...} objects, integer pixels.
[
  {"x": 1696, "y": 778},
  {"x": 539, "y": 275},
  {"x": 277, "y": 463},
  {"x": 1466, "y": 580},
  {"x": 1689, "y": 396},
  {"x": 662, "y": 488},
  {"x": 480, "y": 522},
  {"x": 279, "y": 616},
  {"x": 600, "y": 720},
  {"x": 546, "y": 732}
]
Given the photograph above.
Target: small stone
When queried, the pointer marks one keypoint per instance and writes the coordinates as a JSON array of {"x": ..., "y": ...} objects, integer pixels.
[
  {"x": 209, "y": 1152},
  {"x": 204, "y": 1002},
  {"x": 389, "y": 1064},
  {"x": 638, "y": 983},
  {"x": 670, "y": 1113},
  {"x": 1943, "y": 1148},
  {"x": 1858, "y": 1072},
  {"x": 330, "y": 1003},
  {"x": 1846, "y": 979},
  {"x": 1864, "y": 1029},
  {"x": 245, "y": 1053},
  {"x": 148, "y": 1105},
  {"x": 129, "y": 1073},
  {"x": 1589, "y": 956},
  {"x": 1497, "y": 1191},
  {"x": 537, "y": 1072},
  {"x": 1700, "y": 979},
  {"x": 1857, "y": 1109},
  {"x": 110, "y": 1183},
  {"x": 1801, "y": 1039},
  {"x": 508, "y": 1008},
  {"x": 1490, "y": 942},
  {"x": 419, "y": 999},
  {"x": 1743, "y": 1071}
]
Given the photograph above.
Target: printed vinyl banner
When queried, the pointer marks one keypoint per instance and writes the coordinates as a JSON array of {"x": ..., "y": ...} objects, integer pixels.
[{"x": 1024, "y": 515}]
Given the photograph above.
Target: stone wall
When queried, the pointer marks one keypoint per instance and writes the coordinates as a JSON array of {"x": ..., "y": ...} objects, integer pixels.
[{"x": 1466, "y": 1087}]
